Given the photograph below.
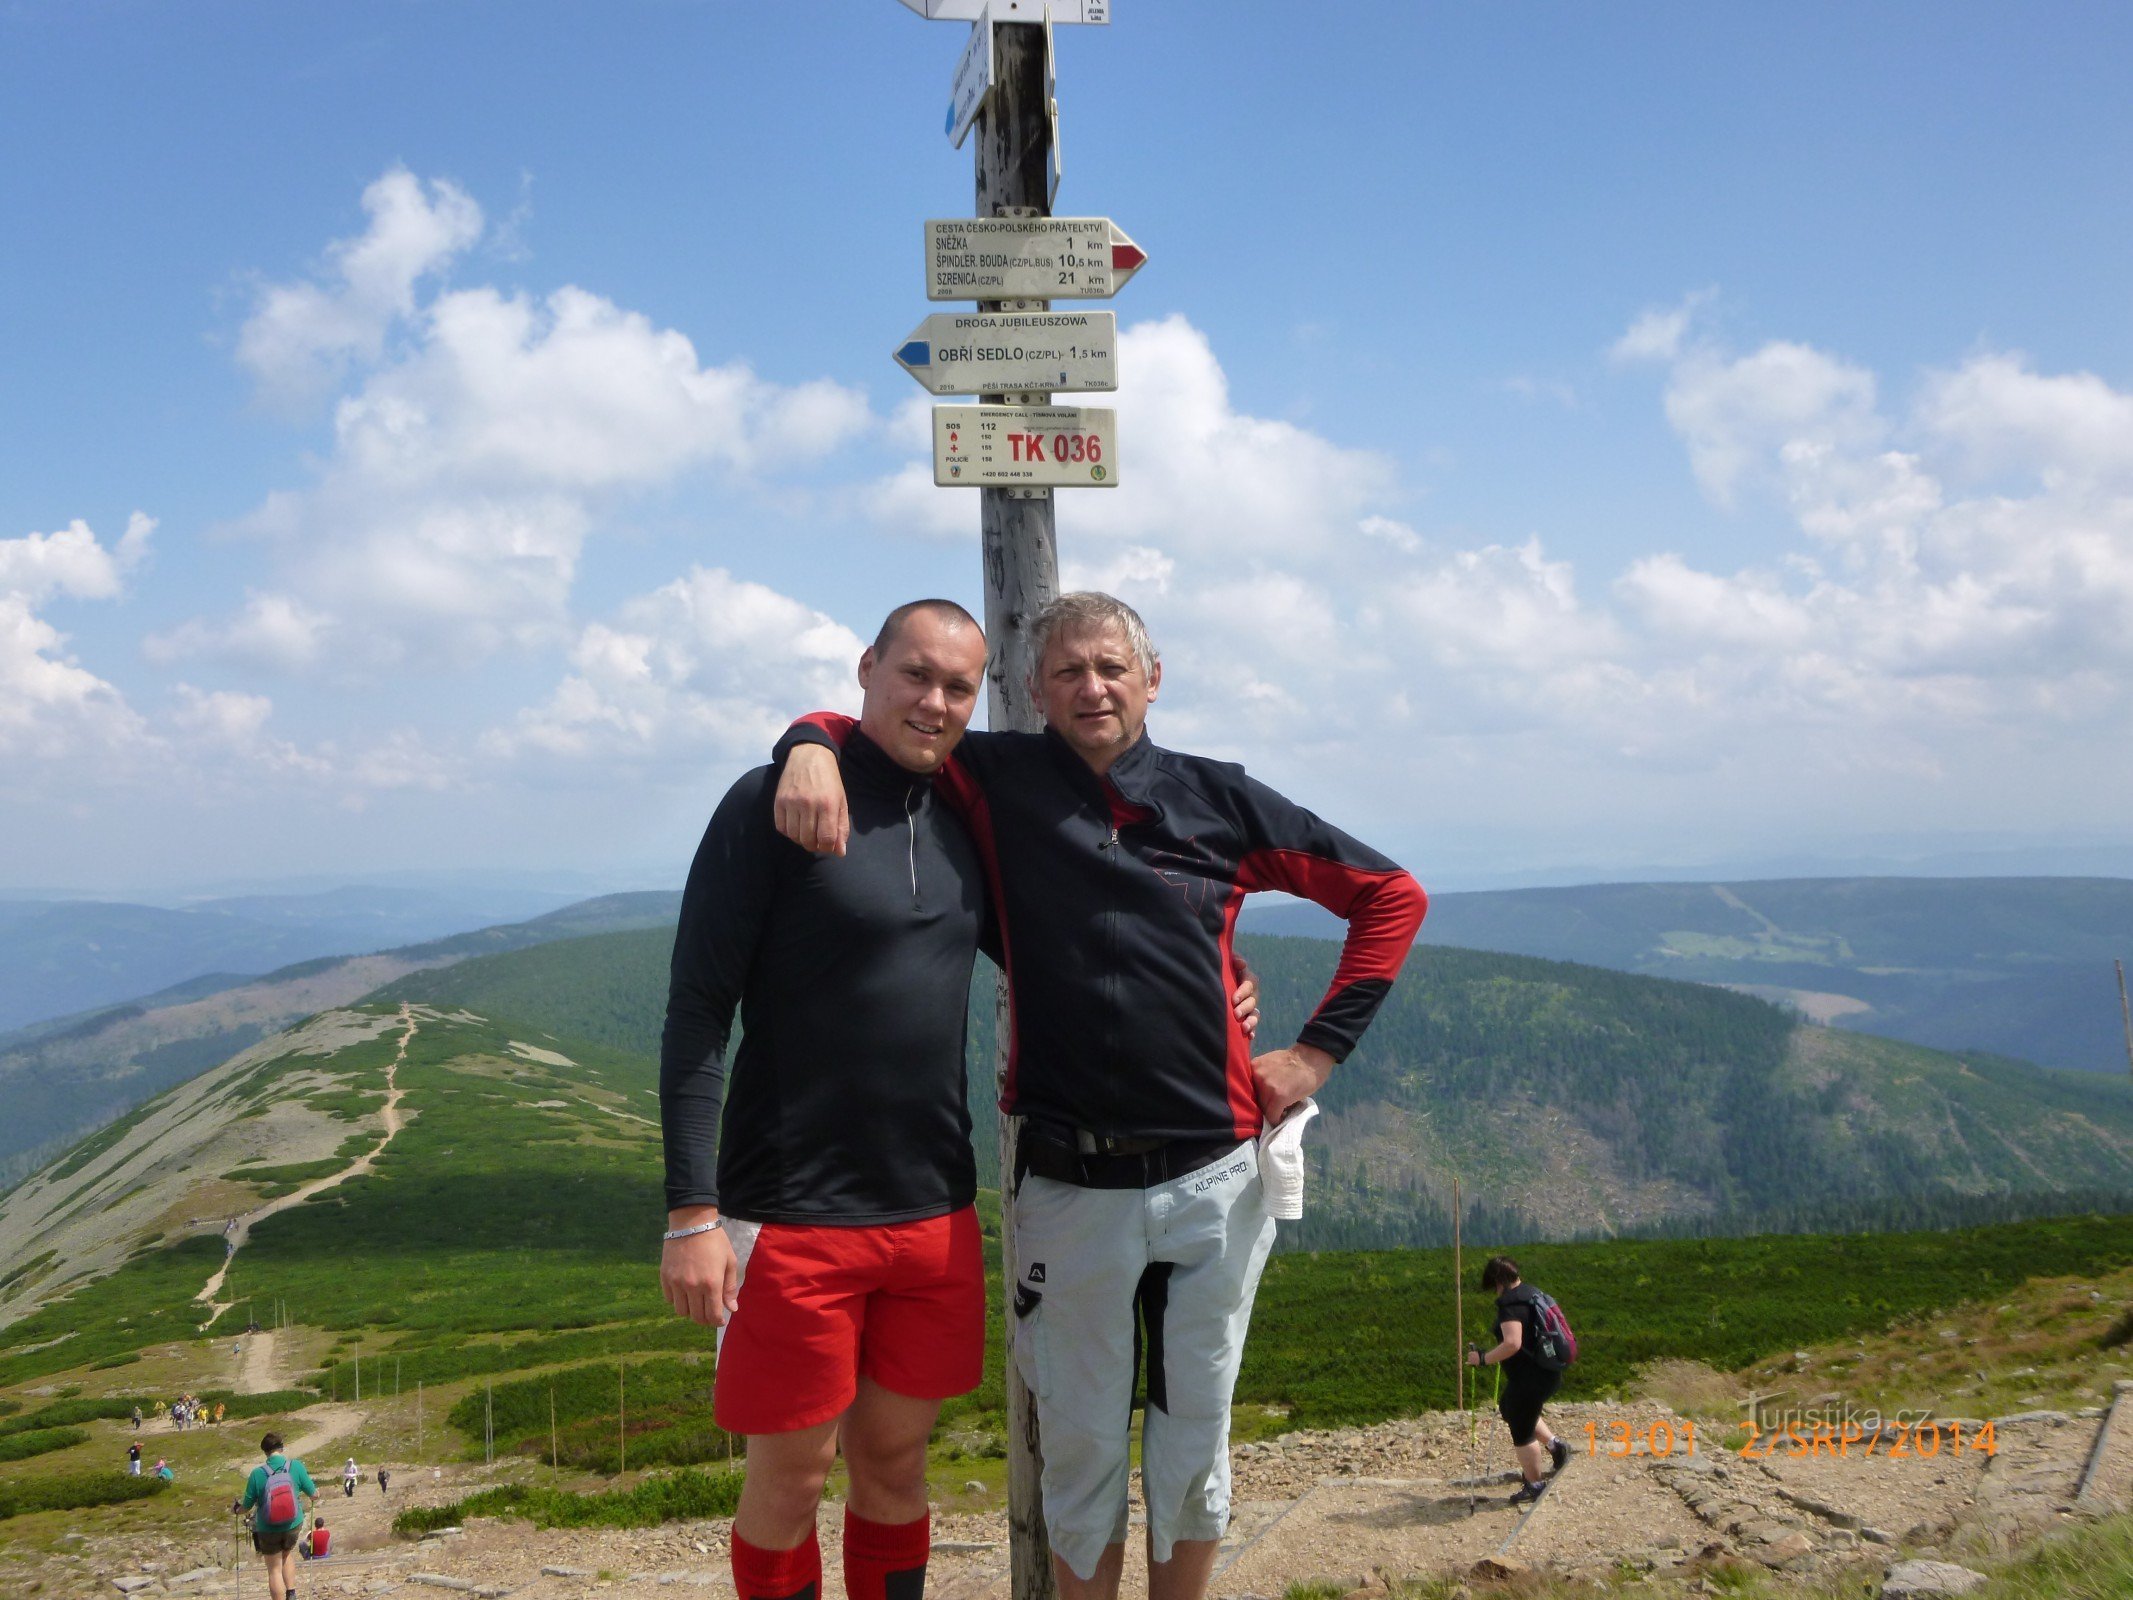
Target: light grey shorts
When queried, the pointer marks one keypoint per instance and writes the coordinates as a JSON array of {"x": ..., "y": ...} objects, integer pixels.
[{"x": 1095, "y": 1268}]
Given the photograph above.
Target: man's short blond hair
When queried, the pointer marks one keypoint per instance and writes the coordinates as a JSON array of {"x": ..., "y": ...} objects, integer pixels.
[{"x": 1089, "y": 610}]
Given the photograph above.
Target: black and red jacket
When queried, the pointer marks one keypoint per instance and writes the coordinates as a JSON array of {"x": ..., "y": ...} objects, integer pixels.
[{"x": 1118, "y": 900}]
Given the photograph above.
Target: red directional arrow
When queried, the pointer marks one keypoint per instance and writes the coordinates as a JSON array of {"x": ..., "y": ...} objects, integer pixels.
[{"x": 1127, "y": 258}]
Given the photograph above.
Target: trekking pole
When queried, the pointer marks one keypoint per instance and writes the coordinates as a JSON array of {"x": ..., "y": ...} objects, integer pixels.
[{"x": 1459, "y": 1336}]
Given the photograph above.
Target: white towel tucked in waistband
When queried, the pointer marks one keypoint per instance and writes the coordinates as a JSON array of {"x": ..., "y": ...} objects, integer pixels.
[{"x": 1281, "y": 1163}]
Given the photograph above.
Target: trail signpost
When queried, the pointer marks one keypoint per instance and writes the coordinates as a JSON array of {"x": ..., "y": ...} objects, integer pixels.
[
  {"x": 972, "y": 82},
  {"x": 1013, "y": 352},
  {"x": 1028, "y": 258},
  {"x": 1015, "y": 447},
  {"x": 1025, "y": 447},
  {"x": 1013, "y": 10}
]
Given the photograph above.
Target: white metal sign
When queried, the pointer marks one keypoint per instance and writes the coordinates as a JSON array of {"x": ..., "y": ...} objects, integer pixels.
[
  {"x": 1028, "y": 258},
  {"x": 974, "y": 75},
  {"x": 1013, "y": 10},
  {"x": 1025, "y": 447},
  {"x": 1013, "y": 352}
]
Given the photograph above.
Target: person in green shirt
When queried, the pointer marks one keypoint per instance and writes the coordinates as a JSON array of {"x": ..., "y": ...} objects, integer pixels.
[{"x": 275, "y": 1537}]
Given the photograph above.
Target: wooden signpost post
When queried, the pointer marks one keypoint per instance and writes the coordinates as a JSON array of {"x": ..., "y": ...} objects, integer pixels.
[{"x": 1014, "y": 258}]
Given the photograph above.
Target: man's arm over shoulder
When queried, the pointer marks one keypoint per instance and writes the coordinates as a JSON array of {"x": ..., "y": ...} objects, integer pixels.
[
  {"x": 977, "y": 751},
  {"x": 730, "y": 887},
  {"x": 1292, "y": 850},
  {"x": 811, "y": 808}
]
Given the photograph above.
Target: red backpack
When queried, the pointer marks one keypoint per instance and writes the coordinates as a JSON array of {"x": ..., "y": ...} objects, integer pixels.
[{"x": 281, "y": 1497}]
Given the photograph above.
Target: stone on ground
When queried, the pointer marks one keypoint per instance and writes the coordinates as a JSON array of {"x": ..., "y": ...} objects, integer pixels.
[{"x": 1928, "y": 1580}]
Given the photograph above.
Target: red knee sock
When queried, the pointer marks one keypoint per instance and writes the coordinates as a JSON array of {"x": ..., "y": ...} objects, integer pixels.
[
  {"x": 885, "y": 1560},
  {"x": 777, "y": 1574}
]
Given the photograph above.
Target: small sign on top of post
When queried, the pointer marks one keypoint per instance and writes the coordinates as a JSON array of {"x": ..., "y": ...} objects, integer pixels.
[
  {"x": 973, "y": 80},
  {"x": 1013, "y": 10},
  {"x": 1028, "y": 258}
]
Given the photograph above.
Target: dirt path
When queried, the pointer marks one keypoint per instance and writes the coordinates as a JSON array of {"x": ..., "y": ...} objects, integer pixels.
[
  {"x": 1338, "y": 1505},
  {"x": 260, "y": 1369},
  {"x": 362, "y": 1164}
]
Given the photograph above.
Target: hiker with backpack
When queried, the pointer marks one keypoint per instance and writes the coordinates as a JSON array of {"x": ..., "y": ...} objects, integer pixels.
[
  {"x": 271, "y": 1495},
  {"x": 1536, "y": 1344}
]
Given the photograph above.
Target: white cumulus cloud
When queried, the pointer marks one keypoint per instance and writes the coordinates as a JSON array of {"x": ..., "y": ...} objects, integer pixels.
[
  {"x": 51, "y": 705},
  {"x": 709, "y": 665},
  {"x": 481, "y": 438},
  {"x": 301, "y": 337}
]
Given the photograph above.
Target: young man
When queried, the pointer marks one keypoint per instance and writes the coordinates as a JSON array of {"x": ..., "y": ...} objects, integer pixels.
[
  {"x": 833, "y": 1241},
  {"x": 1527, "y": 1384},
  {"x": 273, "y": 1495},
  {"x": 1121, "y": 870}
]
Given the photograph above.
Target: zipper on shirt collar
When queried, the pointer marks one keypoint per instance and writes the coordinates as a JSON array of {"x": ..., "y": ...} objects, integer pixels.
[{"x": 911, "y": 799}]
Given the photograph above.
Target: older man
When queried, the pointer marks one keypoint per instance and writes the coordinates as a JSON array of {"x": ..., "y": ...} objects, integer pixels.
[{"x": 1121, "y": 869}]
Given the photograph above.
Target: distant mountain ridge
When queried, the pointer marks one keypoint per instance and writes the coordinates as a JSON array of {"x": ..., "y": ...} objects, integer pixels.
[
  {"x": 65, "y": 1077},
  {"x": 2015, "y": 966},
  {"x": 67, "y": 956}
]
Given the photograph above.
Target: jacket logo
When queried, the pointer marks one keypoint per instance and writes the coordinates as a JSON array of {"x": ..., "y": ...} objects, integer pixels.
[
  {"x": 1191, "y": 872},
  {"x": 1036, "y": 1272}
]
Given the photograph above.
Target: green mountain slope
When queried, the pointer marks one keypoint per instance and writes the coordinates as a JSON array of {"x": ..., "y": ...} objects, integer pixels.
[
  {"x": 2016, "y": 966},
  {"x": 64, "y": 1078},
  {"x": 1569, "y": 1099},
  {"x": 511, "y": 1148}
]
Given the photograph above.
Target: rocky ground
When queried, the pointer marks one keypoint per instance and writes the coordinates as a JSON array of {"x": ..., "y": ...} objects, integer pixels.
[{"x": 1424, "y": 1495}]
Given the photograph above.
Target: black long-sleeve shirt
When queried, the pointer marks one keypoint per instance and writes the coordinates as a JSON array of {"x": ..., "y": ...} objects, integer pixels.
[
  {"x": 852, "y": 976},
  {"x": 1118, "y": 908}
]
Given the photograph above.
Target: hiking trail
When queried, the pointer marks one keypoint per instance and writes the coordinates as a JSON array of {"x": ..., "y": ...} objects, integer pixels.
[{"x": 362, "y": 1164}]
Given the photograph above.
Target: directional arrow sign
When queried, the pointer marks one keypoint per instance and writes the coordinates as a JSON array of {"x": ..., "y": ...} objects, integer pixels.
[
  {"x": 1013, "y": 10},
  {"x": 1028, "y": 258},
  {"x": 973, "y": 81},
  {"x": 1013, "y": 352},
  {"x": 1025, "y": 447}
]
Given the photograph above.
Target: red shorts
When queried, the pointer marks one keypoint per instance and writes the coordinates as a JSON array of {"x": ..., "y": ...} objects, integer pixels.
[{"x": 901, "y": 1302}]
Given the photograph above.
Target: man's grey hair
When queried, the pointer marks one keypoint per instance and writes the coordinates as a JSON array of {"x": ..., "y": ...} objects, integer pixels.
[{"x": 1087, "y": 610}]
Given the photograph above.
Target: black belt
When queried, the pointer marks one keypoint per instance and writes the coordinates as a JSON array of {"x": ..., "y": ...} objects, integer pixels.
[{"x": 1115, "y": 1163}]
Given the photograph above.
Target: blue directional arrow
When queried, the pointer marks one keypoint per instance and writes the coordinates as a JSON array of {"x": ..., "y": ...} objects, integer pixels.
[{"x": 918, "y": 353}]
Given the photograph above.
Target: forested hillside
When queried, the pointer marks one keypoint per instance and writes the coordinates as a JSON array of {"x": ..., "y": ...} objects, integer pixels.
[
  {"x": 1570, "y": 1100},
  {"x": 2016, "y": 966}
]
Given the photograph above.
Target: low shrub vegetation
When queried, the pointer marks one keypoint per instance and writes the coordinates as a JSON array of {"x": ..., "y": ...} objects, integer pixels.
[
  {"x": 274, "y": 1403},
  {"x": 74, "y": 1492},
  {"x": 40, "y": 1442},
  {"x": 670, "y": 1497},
  {"x": 65, "y": 1413},
  {"x": 1725, "y": 1302}
]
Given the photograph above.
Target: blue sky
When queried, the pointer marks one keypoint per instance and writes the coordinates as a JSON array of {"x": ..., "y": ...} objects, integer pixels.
[{"x": 1557, "y": 441}]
